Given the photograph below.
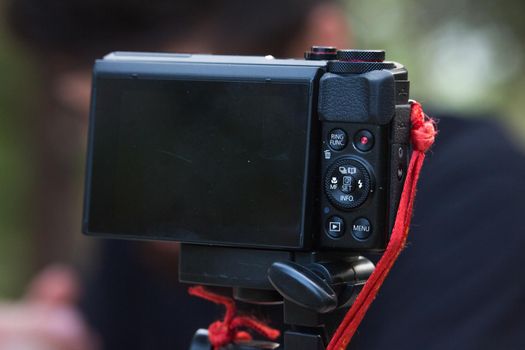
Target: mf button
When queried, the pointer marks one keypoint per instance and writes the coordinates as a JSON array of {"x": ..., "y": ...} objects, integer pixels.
[
  {"x": 361, "y": 229},
  {"x": 337, "y": 139},
  {"x": 335, "y": 227}
]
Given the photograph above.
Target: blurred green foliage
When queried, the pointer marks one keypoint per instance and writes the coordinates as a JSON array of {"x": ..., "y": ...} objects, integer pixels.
[
  {"x": 16, "y": 180},
  {"x": 463, "y": 56}
]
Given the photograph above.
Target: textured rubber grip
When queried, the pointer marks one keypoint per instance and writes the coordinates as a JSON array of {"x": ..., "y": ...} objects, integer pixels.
[{"x": 363, "y": 98}]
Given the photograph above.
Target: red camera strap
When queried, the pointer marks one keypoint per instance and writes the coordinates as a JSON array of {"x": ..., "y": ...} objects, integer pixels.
[
  {"x": 221, "y": 333},
  {"x": 422, "y": 137}
]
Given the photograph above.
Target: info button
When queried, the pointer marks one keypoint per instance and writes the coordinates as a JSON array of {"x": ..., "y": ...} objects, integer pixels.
[{"x": 335, "y": 226}]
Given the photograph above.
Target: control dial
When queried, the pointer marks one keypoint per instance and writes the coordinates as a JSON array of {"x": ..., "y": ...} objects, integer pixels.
[
  {"x": 317, "y": 53},
  {"x": 347, "y": 183}
]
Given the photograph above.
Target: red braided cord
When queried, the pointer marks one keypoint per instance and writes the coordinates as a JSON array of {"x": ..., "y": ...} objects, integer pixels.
[
  {"x": 422, "y": 137},
  {"x": 226, "y": 331}
]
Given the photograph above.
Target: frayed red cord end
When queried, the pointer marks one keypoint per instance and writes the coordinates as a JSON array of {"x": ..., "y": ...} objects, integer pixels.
[{"x": 423, "y": 132}]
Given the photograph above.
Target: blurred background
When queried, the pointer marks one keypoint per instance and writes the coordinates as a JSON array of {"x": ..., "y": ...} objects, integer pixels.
[{"x": 464, "y": 57}]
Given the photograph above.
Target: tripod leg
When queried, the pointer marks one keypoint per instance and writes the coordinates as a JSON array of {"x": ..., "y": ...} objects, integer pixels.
[{"x": 296, "y": 340}]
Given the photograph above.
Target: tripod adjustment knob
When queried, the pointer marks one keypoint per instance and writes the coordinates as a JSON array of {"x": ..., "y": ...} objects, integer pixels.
[{"x": 302, "y": 286}]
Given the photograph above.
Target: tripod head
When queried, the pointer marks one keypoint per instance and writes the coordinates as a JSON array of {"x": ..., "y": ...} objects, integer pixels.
[
  {"x": 316, "y": 290},
  {"x": 321, "y": 287}
]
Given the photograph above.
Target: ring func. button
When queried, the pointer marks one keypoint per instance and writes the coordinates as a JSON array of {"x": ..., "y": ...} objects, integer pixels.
[
  {"x": 364, "y": 140},
  {"x": 361, "y": 229},
  {"x": 337, "y": 139},
  {"x": 335, "y": 227}
]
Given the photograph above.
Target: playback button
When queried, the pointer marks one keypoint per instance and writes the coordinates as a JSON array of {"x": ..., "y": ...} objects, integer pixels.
[{"x": 335, "y": 227}]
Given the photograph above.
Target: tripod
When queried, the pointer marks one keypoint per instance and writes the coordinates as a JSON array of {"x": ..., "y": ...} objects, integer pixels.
[{"x": 316, "y": 297}]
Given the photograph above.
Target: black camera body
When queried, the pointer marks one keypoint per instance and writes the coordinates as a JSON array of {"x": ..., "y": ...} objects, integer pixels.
[
  {"x": 276, "y": 175},
  {"x": 256, "y": 158}
]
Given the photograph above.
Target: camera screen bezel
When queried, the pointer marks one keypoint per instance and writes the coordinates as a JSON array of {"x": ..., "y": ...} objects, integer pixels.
[{"x": 136, "y": 71}]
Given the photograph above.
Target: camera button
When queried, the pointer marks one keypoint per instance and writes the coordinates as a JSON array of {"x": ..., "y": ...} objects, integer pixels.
[
  {"x": 364, "y": 140},
  {"x": 361, "y": 229},
  {"x": 348, "y": 184},
  {"x": 400, "y": 173},
  {"x": 337, "y": 139},
  {"x": 335, "y": 227}
]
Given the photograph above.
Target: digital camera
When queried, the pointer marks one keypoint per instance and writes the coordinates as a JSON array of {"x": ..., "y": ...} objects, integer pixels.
[
  {"x": 247, "y": 160},
  {"x": 252, "y": 152},
  {"x": 275, "y": 174}
]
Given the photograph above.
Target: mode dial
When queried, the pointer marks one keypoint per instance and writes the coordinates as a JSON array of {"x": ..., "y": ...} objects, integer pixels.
[
  {"x": 361, "y": 55},
  {"x": 359, "y": 61}
]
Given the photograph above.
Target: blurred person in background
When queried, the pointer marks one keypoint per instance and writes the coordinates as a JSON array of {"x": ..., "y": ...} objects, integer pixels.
[{"x": 455, "y": 286}]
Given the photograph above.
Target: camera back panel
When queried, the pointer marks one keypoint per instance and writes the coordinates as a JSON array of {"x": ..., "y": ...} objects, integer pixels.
[{"x": 244, "y": 152}]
